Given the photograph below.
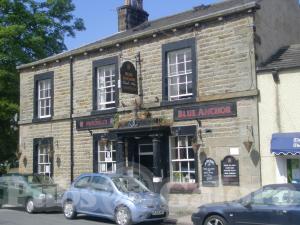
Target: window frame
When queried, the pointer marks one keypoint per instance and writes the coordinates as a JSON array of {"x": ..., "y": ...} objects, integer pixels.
[
  {"x": 96, "y": 159},
  {"x": 37, "y": 79},
  {"x": 184, "y": 131},
  {"x": 172, "y": 47},
  {"x": 102, "y": 63},
  {"x": 36, "y": 143}
]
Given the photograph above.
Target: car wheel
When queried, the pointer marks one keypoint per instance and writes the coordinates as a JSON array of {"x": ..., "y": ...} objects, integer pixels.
[
  {"x": 29, "y": 206},
  {"x": 123, "y": 216},
  {"x": 69, "y": 210},
  {"x": 215, "y": 220}
]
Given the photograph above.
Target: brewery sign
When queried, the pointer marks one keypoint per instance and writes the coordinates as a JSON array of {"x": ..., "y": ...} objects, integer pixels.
[
  {"x": 94, "y": 123},
  {"x": 129, "y": 82},
  {"x": 210, "y": 174},
  {"x": 206, "y": 111},
  {"x": 230, "y": 171}
]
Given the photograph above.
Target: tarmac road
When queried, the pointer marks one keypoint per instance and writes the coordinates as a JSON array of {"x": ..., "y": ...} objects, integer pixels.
[{"x": 17, "y": 216}]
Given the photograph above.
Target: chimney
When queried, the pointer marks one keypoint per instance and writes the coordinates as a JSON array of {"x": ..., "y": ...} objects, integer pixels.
[{"x": 131, "y": 14}]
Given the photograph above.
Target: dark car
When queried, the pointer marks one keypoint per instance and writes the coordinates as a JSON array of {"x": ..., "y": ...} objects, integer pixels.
[
  {"x": 271, "y": 205},
  {"x": 34, "y": 192}
]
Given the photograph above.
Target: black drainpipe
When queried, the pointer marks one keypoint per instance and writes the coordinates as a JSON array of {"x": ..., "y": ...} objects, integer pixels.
[{"x": 72, "y": 120}]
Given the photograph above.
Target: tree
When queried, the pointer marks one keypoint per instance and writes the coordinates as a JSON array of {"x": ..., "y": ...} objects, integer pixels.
[{"x": 29, "y": 30}]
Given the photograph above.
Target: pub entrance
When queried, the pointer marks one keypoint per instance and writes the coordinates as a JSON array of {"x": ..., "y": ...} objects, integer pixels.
[{"x": 144, "y": 153}]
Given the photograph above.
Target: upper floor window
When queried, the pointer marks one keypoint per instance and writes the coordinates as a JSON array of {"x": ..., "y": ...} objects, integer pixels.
[
  {"x": 43, "y": 96},
  {"x": 180, "y": 74},
  {"x": 105, "y": 78},
  {"x": 106, "y": 87},
  {"x": 179, "y": 71}
]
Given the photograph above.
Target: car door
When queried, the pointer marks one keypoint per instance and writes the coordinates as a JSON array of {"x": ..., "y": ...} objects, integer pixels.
[
  {"x": 80, "y": 194},
  {"x": 257, "y": 209},
  {"x": 104, "y": 194},
  {"x": 287, "y": 203}
]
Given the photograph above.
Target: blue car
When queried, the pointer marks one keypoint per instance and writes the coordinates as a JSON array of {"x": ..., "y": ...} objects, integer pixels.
[
  {"x": 122, "y": 199},
  {"x": 271, "y": 205}
]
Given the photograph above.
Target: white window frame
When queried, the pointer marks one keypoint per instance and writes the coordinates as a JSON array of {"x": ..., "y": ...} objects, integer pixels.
[
  {"x": 103, "y": 86},
  {"x": 108, "y": 149},
  {"x": 46, "y": 98},
  {"x": 188, "y": 160},
  {"x": 177, "y": 75},
  {"x": 46, "y": 159}
]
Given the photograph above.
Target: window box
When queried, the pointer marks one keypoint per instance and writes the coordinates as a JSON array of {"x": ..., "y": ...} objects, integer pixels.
[{"x": 183, "y": 188}]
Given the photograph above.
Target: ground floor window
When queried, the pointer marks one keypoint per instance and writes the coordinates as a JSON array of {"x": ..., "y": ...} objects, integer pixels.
[
  {"x": 106, "y": 157},
  {"x": 182, "y": 159},
  {"x": 293, "y": 170},
  {"x": 44, "y": 163},
  {"x": 43, "y": 156}
]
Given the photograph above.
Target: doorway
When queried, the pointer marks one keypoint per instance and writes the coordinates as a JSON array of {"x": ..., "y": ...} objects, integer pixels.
[{"x": 145, "y": 157}]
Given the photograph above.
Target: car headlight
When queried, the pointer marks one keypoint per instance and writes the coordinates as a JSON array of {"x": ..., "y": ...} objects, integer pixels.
[{"x": 135, "y": 198}]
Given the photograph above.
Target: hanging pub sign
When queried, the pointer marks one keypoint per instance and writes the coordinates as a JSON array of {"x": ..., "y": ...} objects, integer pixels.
[
  {"x": 206, "y": 111},
  {"x": 230, "y": 171},
  {"x": 94, "y": 123},
  {"x": 129, "y": 82},
  {"x": 210, "y": 174}
]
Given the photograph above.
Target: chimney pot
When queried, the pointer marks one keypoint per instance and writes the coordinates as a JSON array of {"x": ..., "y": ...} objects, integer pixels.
[{"x": 131, "y": 15}]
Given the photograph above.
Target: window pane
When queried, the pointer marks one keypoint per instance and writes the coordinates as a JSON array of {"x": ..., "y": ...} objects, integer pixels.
[
  {"x": 188, "y": 54},
  {"x": 172, "y": 69},
  {"x": 190, "y": 88},
  {"x": 181, "y": 68},
  {"x": 172, "y": 58},
  {"x": 191, "y": 153},
  {"x": 176, "y": 166},
  {"x": 189, "y": 67},
  {"x": 180, "y": 57},
  {"x": 183, "y": 153},
  {"x": 182, "y": 89},
  {"x": 173, "y": 90},
  {"x": 182, "y": 79}
]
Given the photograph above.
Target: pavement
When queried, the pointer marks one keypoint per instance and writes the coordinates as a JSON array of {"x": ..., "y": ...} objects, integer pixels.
[{"x": 17, "y": 216}]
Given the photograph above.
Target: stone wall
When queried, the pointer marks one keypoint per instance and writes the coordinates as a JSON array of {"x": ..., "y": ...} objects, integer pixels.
[{"x": 225, "y": 65}]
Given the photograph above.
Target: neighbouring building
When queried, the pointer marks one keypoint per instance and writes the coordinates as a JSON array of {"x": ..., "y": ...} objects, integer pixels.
[
  {"x": 279, "y": 117},
  {"x": 177, "y": 96}
]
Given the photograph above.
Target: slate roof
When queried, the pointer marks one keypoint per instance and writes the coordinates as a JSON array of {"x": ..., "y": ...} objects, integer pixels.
[
  {"x": 285, "y": 58},
  {"x": 197, "y": 14}
]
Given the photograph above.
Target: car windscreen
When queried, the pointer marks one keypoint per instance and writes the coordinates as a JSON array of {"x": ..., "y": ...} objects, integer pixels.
[{"x": 129, "y": 184}]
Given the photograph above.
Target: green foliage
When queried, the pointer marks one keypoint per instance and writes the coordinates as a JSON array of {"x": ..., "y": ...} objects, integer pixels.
[{"x": 29, "y": 30}]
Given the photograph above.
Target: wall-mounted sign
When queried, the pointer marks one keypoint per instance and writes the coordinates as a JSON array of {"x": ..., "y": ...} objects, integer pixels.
[
  {"x": 206, "y": 111},
  {"x": 141, "y": 123},
  {"x": 94, "y": 123},
  {"x": 230, "y": 171},
  {"x": 210, "y": 174},
  {"x": 129, "y": 82}
]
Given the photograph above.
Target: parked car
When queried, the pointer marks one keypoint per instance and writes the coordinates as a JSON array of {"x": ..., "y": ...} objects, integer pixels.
[
  {"x": 34, "y": 192},
  {"x": 273, "y": 204},
  {"x": 122, "y": 199}
]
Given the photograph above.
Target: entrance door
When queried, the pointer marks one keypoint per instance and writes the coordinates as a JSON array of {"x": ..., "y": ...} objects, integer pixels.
[
  {"x": 145, "y": 158},
  {"x": 145, "y": 164}
]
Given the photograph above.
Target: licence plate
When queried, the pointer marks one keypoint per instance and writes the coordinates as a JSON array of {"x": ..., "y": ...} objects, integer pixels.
[{"x": 158, "y": 212}]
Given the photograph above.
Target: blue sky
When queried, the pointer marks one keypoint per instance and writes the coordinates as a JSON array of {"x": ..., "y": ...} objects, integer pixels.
[{"x": 100, "y": 16}]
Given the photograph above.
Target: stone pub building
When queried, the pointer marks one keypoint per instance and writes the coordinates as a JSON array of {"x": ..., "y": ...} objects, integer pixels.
[{"x": 172, "y": 100}]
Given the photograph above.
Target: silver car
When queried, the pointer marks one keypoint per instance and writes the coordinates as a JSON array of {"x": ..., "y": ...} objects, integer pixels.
[{"x": 122, "y": 199}]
